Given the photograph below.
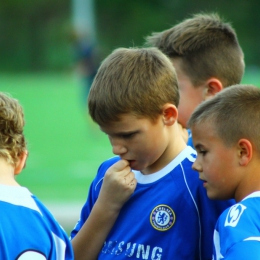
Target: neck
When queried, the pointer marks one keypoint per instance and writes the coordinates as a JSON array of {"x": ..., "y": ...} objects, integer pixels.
[
  {"x": 250, "y": 182},
  {"x": 7, "y": 173}
]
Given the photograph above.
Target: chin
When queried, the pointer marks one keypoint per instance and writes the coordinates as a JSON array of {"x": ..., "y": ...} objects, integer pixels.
[
  {"x": 213, "y": 196},
  {"x": 134, "y": 166},
  {"x": 217, "y": 196}
]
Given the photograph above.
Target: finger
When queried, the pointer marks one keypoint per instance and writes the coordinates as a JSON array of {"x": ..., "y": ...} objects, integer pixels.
[
  {"x": 120, "y": 165},
  {"x": 133, "y": 183},
  {"x": 130, "y": 177}
]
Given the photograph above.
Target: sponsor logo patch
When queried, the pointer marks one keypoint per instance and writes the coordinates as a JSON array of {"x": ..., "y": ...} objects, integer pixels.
[{"x": 162, "y": 217}]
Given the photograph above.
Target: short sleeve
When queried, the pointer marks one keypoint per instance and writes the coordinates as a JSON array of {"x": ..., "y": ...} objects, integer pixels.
[{"x": 249, "y": 250}]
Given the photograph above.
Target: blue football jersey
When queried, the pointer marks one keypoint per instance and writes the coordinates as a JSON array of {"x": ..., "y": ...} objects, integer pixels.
[
  {"x": 169, "y": 215},
  {"x": 237, "y": 232},
  {"x": 28, "y": 231},
  {"x": 190, "y": 142}
]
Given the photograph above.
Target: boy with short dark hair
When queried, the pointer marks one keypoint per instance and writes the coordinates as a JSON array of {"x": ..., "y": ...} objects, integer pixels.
[
  {"x": 134, "y": 100},
  {"x": 225, "y": 133},
  {"x": 27, "y": 228},
  {"x": 206, "y": 55}
]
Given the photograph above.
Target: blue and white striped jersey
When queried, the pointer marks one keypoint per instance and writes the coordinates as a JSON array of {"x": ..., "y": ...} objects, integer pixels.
[
  {"x": 169, "y": 216},
  {"x": 28, "y": 231},
  {"x": 237, "y": 232}
]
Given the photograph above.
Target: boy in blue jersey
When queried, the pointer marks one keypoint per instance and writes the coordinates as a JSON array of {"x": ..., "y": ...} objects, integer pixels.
[
  {"x": 134, "y": 100},
  {"x": 117, "y": 186},
  {"x": 207, "y": 57},
  {"x": 225, "y": 133},
  {"x": 27, "y": 228}
]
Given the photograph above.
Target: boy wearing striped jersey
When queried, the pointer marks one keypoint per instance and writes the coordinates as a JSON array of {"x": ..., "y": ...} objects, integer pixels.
[{"x": 27, "y": 229}]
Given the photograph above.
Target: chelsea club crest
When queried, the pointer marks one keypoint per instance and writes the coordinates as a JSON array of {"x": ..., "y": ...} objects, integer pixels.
[{"x": 162, "y": 217}]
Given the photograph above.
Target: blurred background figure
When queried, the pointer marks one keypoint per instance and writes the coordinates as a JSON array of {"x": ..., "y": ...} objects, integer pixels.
[
  {"x": 85, "y": 60},
  {"x": 84, "y": 44}
]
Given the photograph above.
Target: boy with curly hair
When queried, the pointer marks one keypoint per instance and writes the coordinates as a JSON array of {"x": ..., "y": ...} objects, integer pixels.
[{"x": 27, "y": 228}]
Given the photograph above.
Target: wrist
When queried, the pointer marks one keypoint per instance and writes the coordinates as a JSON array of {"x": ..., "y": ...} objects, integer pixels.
[{"x": 108, "y": 207}]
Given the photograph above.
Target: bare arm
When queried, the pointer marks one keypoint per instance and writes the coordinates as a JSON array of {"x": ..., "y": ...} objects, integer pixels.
[{"x": 118, "y": 185}]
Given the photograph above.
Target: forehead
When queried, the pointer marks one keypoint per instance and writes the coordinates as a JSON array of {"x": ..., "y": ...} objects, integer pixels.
[
  {"x": 204, "y": 131},
  {"x": 126, "y": 123}
]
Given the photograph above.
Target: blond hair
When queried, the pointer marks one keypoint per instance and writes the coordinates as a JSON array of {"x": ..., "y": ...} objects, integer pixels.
[
  {"x": 132, "y": 80},
  {"x": 12, "y": 140}
]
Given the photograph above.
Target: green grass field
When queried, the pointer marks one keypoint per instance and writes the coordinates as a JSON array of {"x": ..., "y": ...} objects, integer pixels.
[{"x": 65, "y": 147}]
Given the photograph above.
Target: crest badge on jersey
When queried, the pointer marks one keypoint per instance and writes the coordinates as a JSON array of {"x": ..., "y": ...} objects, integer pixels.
[
  {"x": 162, "y": 217},
  {"x": 234, "y": 215}
]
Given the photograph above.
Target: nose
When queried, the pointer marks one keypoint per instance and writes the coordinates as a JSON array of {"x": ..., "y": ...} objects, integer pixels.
[
  {"x": 196, "y": 166},
  {"x": 118, "y": 148}
]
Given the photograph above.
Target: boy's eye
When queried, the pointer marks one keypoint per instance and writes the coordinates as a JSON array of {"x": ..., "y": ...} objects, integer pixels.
[
  {"x": 128, "y": 136},
  {"x": 203, "y": 152},
  {"x": 201, "y": 149}
]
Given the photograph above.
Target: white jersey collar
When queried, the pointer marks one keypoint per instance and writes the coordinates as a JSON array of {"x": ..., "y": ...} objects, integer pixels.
[{"x": 187, "y": 153}]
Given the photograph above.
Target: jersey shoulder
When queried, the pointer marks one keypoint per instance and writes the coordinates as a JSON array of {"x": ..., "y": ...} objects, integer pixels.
[{"x": 238, "y": 225}]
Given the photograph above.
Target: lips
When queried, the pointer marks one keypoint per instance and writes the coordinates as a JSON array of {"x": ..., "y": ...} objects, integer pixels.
[
  {"x": 131, "y": 161},
  {"x": 204, "y": 182}
]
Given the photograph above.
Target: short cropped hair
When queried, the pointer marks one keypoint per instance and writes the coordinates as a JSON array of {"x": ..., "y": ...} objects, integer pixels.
[
  {"x": 234, "y": 114},
  {"x": 132, "y": 80},
  {"x": 206, "y": 47},
  {"x": 12, "y": 140}
]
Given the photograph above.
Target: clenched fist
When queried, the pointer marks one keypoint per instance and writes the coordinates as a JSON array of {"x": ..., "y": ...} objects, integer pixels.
[{"x": 118, "y": 185}]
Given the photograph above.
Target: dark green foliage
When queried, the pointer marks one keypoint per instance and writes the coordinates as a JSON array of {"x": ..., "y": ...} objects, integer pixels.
[{"x": 35, "y": 34}]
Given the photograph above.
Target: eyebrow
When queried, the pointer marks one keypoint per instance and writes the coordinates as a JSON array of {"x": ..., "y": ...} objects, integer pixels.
[{"x": 127, "y": 132}]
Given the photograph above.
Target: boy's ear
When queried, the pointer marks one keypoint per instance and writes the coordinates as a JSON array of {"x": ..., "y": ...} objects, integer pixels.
[
  {"x": 245, "y": 151},
  {"x": 170, "y": 114},
  {"x": 212, "y": 87},
  {"x": 21, "y": 162}
]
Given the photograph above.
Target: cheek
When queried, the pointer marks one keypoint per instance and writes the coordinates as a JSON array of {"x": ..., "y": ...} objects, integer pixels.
[
  {"x": 161, "y": 144},
  {"x": 215, "y": 175},
  {"x": 190, "y": 98},
  {"x": 146, "y": 149},
  {"x": 185, "y": 110}
]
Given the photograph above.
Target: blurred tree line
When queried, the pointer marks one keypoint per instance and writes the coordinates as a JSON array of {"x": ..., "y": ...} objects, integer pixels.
[{"x": 36, "y": 35}]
